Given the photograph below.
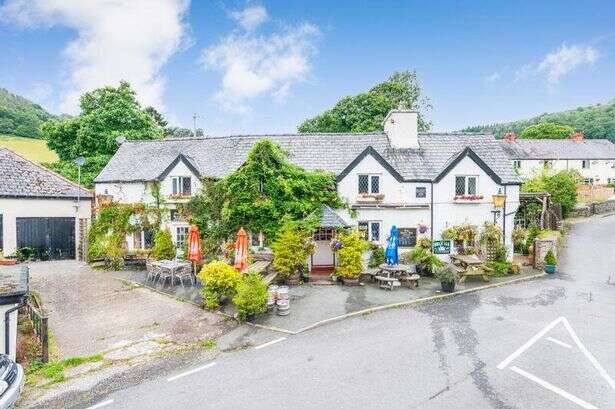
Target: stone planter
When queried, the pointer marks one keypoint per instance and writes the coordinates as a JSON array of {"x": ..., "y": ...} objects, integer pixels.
[
  {"x": 448, "y": 287},
  {"x": 8, "y": 262},
  {"x": 351, "y": 281},
  {"x": 293, "y": 280}
]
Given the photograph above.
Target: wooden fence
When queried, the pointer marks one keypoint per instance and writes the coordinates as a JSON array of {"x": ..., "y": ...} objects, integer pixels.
[{"x": 39, "y": 323}]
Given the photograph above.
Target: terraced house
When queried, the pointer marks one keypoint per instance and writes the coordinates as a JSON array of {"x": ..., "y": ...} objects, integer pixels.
[{"x": 420, "y": 182}]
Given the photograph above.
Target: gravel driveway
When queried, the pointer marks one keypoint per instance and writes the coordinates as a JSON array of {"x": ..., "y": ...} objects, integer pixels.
[{"x": 90, "y": 311}]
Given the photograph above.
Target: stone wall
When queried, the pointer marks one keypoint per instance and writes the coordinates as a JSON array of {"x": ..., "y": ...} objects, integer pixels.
[
  {"x": 594, "y": 208},
  {"x": 541, "y": 247}
]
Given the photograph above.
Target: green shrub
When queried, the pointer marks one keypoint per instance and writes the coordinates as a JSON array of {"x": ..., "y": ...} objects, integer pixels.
[
  {"x": 499, "y": 268},
  {"x": 350, "y": 256},
  {"x": 550, "y": 258},
  {"x": 251, "y": 297},
  {"x": 561, "y": 185},
  {"x": 500, "y": 254},
  {"x": 519, "y": 237},
  {"x": 446, "y": 274},
  {"x": 515, "y": 268},
  {"x": 377, "y": 257},
  {"x": 218, "y": 279},
  {"x": 290, "y": 250},
  {"x": 163, "y": 246}
]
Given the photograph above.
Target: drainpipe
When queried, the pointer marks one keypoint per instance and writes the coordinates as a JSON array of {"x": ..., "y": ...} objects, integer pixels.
[
  {"x": 504, "y": 216},
  {"x": 7, "y": 324},
  {"x": 431, "y": 227}
]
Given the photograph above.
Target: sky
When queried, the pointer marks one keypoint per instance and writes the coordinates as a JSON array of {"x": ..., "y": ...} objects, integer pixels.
[{"x": 264, "y": 66}]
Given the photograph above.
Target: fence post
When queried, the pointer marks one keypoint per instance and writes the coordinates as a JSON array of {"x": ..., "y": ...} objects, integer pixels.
[{"x": 45, "y": 340}]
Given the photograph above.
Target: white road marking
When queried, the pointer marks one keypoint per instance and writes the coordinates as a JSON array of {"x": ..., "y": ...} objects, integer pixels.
[
  {"x": 558, "y": 342},
  {"x": 553, "y": 388},
  {"x": 588, "y": 355},
  {"x": 101, "y": 404},
  {"x": 266, "y": 344},
  {"x": 529, "y": 343},
  {"x": 190, "y": 372}
]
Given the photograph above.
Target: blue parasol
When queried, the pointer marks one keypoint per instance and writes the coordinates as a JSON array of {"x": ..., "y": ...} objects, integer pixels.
[{"x": 391, "y": 255}]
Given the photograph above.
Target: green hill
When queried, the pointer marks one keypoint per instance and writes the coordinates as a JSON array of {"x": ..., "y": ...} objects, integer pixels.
[
  {"x": 20, "y": 117},
  {"x": 34, "y": 149},
  {"x": 596, "y": 121}
]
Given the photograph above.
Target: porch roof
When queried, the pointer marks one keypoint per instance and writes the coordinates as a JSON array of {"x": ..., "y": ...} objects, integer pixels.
[{"x": 331, "y": 219}]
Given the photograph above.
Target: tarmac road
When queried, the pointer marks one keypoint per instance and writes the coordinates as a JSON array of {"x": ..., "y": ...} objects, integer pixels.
[{"x": 547, "y": 343}]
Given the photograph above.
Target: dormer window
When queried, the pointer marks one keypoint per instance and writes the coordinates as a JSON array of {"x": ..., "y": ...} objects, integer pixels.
[
  {"x": 369, "y": 184},
  {"x": 466, "y": 185},
  {"x": 182, "y": 185}
]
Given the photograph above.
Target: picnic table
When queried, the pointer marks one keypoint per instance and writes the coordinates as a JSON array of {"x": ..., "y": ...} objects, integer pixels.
[
  {"x": 399, "y": 272},
  {"x": 469, "y": 266}
]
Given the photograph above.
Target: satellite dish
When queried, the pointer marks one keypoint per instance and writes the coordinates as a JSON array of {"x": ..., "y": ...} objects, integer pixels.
[{"x": 120, "y": 139}]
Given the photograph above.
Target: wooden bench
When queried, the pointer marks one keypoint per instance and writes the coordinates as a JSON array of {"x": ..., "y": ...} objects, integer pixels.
[
  {"x": 387, "y": 283},
  {"x": 475, "y": 272}
]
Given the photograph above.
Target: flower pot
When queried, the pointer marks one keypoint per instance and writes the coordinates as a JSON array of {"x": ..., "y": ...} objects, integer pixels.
[
  {"x": 550, "y": 268},
  {"x": 293, "y": 280},
  {"x": 448, "y": 287},
  {"x": 251, "y": 317},
  {"x": 8, "y": 262},
  {"x": 351, "y": 281}
]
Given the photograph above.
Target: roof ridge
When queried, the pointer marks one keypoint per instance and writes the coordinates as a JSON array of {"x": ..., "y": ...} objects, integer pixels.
[
  {"x": 201, "y": 138},
  {"x": 44, "y": 169}
]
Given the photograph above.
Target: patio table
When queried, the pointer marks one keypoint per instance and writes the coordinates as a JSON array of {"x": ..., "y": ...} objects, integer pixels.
[
  {"x": 469, "y": 265},
  {"x": 172, "y": 266},
  {"x": 395, "y": 269}
]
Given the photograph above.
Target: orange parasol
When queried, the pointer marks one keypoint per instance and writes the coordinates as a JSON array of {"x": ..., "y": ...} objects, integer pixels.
[
  {"x": 194, "y": 244},
  {"x": 241, "y": 250}
]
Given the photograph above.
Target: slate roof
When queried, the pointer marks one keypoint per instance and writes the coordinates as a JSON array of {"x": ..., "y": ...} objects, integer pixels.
[
  {"x": 13, "y": 283},
  {"x": 559, "y": 149},
  {"x": 20, "y": 177},
  {"x": 331, "y": 219},
  {"x": 218, "y": 156}
]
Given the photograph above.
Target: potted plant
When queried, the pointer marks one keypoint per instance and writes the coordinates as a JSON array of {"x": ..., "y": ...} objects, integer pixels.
[
  {"x": 350, "y": 257},
  {"x": 251, "y": 296},
  {"x": 425, "y": 261},
  {"x": 550, "y": 262},
  {"x": 447, "y": 277}
]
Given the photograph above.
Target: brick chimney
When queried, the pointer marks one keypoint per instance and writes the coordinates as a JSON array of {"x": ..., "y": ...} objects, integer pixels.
[
  {"x": 577, "y": 136},
  {"x": 510, "y": 137}
]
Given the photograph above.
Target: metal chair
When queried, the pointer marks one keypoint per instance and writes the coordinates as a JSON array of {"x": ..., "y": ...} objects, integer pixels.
[
  {"x": 185, "y": 272},
  {"x": 152, "y": 270}
]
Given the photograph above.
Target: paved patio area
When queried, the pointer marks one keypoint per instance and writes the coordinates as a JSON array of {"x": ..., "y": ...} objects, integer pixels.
[
  {"x": 310, "y": 303},
  {"x": 90, "y": 311}
]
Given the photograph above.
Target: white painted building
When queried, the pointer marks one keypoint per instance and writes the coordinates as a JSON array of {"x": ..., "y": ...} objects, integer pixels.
[
  {"x": 397, "y": 177},
  {"x": 594, "y": 159},
  {"x": 40, "y": 209}
]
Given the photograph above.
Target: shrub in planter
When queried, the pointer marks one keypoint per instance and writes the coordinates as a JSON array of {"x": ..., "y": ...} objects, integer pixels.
[
  {"x": 290, "y": 252},
  {"x": 251, "y": 297},
  {"x": 377, "y": 257},
  {"x": 218, "y": 279},
  {"x": 447, "y": 277},
  {"x": 550, "y": 262},
  {"x": 163, "y": 246},
  {"x": 350, "y": 256},
  {"x": 425, "y": 260}
]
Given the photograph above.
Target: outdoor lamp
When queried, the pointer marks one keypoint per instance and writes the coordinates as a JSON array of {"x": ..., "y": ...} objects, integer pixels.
[{"x": 499, "y": 199}]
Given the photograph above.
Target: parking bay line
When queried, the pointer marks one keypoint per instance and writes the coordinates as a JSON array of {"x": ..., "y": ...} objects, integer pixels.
[
  {"x": 266, "y": 344},
  {"x": 101, "y": 404},
  {"x": 558, "y": 342},
  {"x": 553, "y": 388},
  {"x": 190, "y": 372}
]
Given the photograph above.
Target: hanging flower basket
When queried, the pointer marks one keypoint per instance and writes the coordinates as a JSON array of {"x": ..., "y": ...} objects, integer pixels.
[{"x": 423, "y": 228}]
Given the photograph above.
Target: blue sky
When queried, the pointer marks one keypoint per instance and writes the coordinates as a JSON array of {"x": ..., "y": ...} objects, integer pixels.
[{"x": 258, "y": 67}]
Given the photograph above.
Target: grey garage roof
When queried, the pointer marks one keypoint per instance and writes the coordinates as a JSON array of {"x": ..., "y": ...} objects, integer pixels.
[
  {"x": 216, "y": 157},
  {"x": 559, "y": 149},
  {"x": 20, "y": 177}
]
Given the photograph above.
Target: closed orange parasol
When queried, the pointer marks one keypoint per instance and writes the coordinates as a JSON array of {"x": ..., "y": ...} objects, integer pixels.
[
  {"x": 194, "y": 245},
  {"x": 241, "y": 250}
]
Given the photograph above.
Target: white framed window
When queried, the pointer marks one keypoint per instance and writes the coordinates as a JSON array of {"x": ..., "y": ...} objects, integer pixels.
[
  {"x": 517, "y": 164},
  {"x": 370, "y": 230},
  {"x": 181, "y": 235},
  {"x": 585, "y": 164},
  {"x": 369, "y": 184},
  {"x": 421, "y": 192},
  {"x": 182, "y": 185},
  {"x": 466, "y": 185}
]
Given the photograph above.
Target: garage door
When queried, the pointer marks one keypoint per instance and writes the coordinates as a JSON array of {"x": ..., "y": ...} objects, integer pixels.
[{"x": 52, "y": 238}]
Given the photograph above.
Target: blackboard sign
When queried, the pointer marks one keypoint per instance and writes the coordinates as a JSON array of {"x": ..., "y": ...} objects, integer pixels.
[
  {"x": 407, "y": 237},
  {"x": 442, "y": 247}
]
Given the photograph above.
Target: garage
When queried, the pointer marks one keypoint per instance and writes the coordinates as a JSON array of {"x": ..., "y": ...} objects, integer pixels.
[
  {"x": 50, "y": 238},
  {"x": 42, "y": 214}
]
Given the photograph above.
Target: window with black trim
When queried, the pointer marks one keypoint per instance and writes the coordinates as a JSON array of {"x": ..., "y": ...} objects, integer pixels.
[
  {"x": 369, "y": 184},
  {"x": 466, "y": 185},
  {"x": 181, "y": 236},
  {"x": 421, "y": 192},
  {"x": 370, "y": 230},
  {"x": 182, "y": 185}
]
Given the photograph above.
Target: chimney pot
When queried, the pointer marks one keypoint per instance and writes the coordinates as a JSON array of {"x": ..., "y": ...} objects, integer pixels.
[
  {"x": 510, "y": 137},
  {"x": 577, "y": 136}
]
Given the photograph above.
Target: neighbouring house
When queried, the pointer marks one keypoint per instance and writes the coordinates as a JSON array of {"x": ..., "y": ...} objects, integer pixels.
[
  {"x": 13, "y": 292},
  {"x": 41, "y": 210},
  {"x": 401, "y": 177},
  {"x": 593, "y": 158}
]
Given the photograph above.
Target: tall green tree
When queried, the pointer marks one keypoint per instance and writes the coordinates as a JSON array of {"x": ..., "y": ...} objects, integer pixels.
[
  {"x": 365, "y": 112},
  {"x": 547, "y": 131},
  {"x": 106, "y": 113}
]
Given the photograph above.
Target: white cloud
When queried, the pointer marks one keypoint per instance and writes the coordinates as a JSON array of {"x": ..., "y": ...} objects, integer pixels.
[
  {"x": 565, "y": 60},
  {"x": 253, "y": 65},
  {"x": 251, "y": 17},
  {"x": 492, "y": 77},
  {"x": 116, "y": 40}
]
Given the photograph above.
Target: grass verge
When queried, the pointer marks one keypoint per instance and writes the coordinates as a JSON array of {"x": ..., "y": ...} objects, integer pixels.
[{"x": 53, "y": 372}]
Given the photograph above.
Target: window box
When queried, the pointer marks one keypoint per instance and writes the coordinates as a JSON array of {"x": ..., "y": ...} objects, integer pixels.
[
  {"x": 468, "y": 198},
  {"x": 179, "y": 196},
  {"x": 370, "y": 198}
]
